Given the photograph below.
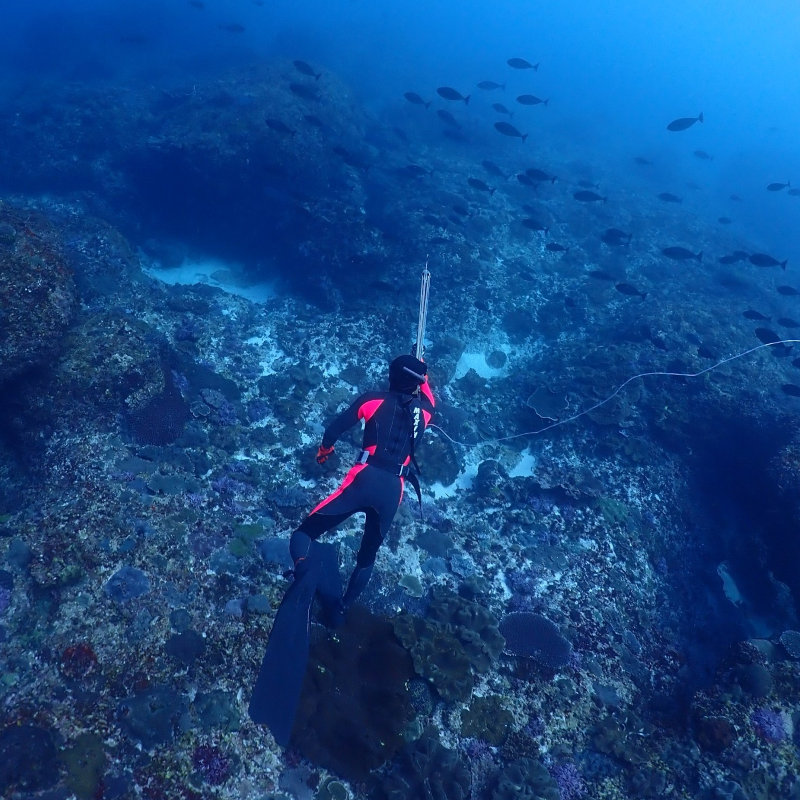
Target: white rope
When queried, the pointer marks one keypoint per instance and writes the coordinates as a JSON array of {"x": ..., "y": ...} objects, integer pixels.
[{"x": 615, "y": 393}]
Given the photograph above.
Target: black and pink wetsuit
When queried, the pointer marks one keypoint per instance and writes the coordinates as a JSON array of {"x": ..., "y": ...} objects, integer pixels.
[{"x": 393, "y": 422}]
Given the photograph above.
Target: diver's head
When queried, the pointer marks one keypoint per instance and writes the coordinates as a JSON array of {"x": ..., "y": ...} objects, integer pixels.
[{"x": 406, "y": 373}]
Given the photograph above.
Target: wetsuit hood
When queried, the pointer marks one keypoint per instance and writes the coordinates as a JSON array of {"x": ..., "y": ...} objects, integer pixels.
[{"x": 404, "y": 372}]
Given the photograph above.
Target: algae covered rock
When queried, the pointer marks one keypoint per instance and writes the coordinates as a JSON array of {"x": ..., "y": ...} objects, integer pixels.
[
  {"x": 38, "y": 296},
  {"x": 425, "y": 768},
  {"x": 456, "y": 641}
]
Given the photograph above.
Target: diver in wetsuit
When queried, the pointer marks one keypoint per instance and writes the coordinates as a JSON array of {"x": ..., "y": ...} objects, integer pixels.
[{"x": 393, "y": 422}]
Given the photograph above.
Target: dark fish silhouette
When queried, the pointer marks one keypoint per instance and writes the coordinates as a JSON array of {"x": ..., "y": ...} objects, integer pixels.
[
  {"x": 555, "y": 247},
  {"x": 669, "y": 198},
  {"x": 448, "y": 118},
  {"x": 615, "y": 237},
  {"x": 642, "y": 161},
  {"x": 788, "y": 291},
  {"x": 493, "y": 169},
  {"x": 724, "y": 220},
  {"x": 462, "y": 210},
  {"x": 313, "y": 119},
  {"x": 525, "y": 180},
  {"x": 703, "y": 156},
  {"x": 304, "y": 91},
  {"x": 501, "y": 109},
  {"x": 777, "y": 187},
  {"x": 306, "y": 69},
  {"x": 509, "y": 130},
  {"x": 531, "y": 100},
  {"x": 767, "y": 336},
  {"x": 490, "y": 85},
  {"x": 197, "y": 4},
  {"x": 764, "y": 260},
  {"x": 451, "y": 94},
  {"x": 279, "y": 127},
  {"x": 794, "y": 192},
  {"x": 585, "y": 196},
  {"x": 234, "y": 27},
  {"x": 683, "y": 123},
  {"x": 539, "y": 175},
  {"x": 413, "y": 171},
  {"x": 791, "y": 389},
  {"x": 788, "y": 322},
  {"x": 477, "y": 183},
  {"x": 627, "y": 288},
  {"x": 414, "y": 98},
  {"x": 735, "y": 198},
  {"x": 682, "y": 254},
  {"x": 521, "y": 63},
  {"x": 755, "y": 315}
]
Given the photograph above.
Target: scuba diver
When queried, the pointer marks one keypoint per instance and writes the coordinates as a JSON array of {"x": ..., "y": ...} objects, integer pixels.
[{"x": 394, "y": 421}]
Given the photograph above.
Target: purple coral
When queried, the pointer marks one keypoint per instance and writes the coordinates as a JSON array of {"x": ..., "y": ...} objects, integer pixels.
[
  {"x": 212, "y": 764},
  {"x": 569, "y": 781},
  {"x": 769, "y": 724}
]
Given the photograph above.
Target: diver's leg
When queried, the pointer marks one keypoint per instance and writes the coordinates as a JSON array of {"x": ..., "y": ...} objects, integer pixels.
[{"x": 365, "y": 559}]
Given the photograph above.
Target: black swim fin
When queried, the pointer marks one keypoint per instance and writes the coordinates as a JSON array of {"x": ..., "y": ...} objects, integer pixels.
[{"x": 277, "y": 689}]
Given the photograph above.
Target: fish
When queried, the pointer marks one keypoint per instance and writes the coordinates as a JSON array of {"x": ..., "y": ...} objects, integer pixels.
[
  {"x": 492, "y": 168},
  {"x": 477, "y": 183},
  {"x": 521, "y": 63},
  {"x": 491, "y": 85},
  {"x": 735, "y": 198},
  {"x": 448, "y": 118},
  {"x": 279, "y": 127},
  {"x": 777, "y": 187},
  {"x": 534, "y": 225},
  {"x": 703, "y": 156},
  {"x": 629, "y": 289},
  {"x": 704, "y": 351},
  {"x": 642, "y": 161},
  {"x": 509, "y": 130},
  {"x": 667, "y": 197},
  {"x": 788, "y": 291},
  {"x": 764, "y": 260},
  {"x": 501, "y": 109},
  {"x": 462, "y": 210},
  {"x": 531, "y": 100},
  {"x": 234, "y": 27},
  {"x": 555, "y": 247},
  {"x": 615, "y": 237},
  {"x": 755, "y": 315},
  {"x": 767, "y": 336},
  {"x": 306, "y": 69},
  {"x": 585, "y": 196},
  {"x": 601, "y": 275},
  {"x": 451, "y": 94},
  {"x": 682, "y": 123},
  {"x": 788, "y": 322},
  {"x": 197, "y": 4},
  {"x": 724, "y": 220},
  {"x": 416, "y": 100},
  {"x": 681, "y": 254},
  {"x": 525, "y": 180},
  {"x": 794, "y": 192},
  {"x": 791, "y": 389},
  {"x": 539, "y": 175},
  {"x": 304, "y": 91}
]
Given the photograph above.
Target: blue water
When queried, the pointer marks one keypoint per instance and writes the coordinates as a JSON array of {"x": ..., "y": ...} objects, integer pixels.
[{"x": 158, "y": 448}]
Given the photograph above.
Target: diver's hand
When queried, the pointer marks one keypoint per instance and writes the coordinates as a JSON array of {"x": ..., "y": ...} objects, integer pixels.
[{"x": 323, "y": 453}]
